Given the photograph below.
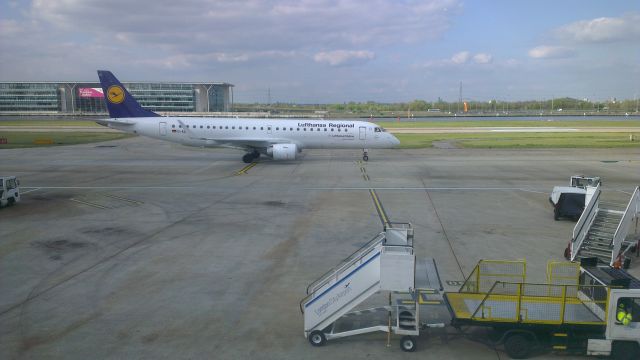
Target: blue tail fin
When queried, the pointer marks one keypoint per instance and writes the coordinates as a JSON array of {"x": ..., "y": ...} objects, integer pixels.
[{"x": 119, "y": 102}]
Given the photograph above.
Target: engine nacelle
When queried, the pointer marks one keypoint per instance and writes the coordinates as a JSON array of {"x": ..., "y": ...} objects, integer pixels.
[{"x": 283, "y": 151}]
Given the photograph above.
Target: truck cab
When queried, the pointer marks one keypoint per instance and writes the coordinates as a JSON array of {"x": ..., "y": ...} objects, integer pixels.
[{"x": 9, "y": 190}]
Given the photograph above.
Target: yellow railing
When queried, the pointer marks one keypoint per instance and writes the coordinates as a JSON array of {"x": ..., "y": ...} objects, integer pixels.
[
  {"x": 543, "y": 303},
  {"x": 487, "y": 272}
]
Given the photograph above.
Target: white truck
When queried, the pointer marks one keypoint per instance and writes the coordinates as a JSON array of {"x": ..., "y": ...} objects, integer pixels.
[
  {"x": 569, "y": 201},
  {"x": 9, "y": 190}
]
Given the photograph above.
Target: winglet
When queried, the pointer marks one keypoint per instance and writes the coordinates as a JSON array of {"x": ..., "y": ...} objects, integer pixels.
[{"x": 119, "y": 102}]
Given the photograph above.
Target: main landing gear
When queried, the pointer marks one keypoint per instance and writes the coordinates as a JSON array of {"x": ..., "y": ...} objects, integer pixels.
[
  {"x": 365, "y": 155},
  {"x": 250, "y": 157}
]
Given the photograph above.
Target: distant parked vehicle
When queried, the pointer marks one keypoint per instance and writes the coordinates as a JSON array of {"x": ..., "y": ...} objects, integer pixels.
[
  {"x": 9, "y": 190},
  {"x": 569, "y": 201}
]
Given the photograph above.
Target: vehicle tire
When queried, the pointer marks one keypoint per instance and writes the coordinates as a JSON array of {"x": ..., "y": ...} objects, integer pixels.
[
  {"x": 11, "y": 201},
  {"x": 517, "y": 346},
  {"x": 408, "y": 344},
  {"x": 247, "y": 158},
  {"x": 567, "y": 253},
  {"x": 625, "y": 350},
  {"x": 317, "y": 338},
  {"x": 365, "y": 158}
]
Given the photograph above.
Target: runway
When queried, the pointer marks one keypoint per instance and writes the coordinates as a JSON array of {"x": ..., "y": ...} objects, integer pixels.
[{"x": 153, "y": 250}]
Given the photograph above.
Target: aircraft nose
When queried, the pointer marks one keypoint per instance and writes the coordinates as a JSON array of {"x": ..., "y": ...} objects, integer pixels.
[{"x": 394, "y": 141}]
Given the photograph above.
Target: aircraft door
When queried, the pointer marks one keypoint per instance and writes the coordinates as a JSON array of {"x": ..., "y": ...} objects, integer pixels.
[
  {"x": 163, "y": 129},
  {"x": 363, "y": 133}
]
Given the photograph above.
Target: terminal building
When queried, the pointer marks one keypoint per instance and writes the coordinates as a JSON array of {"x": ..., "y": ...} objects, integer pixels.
[{"x": 86, "y": 98}]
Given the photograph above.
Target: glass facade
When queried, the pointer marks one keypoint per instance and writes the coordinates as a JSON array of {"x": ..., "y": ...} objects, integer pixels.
[
  {"x": 164, "y": 97},
  {"x": 217, "y": 95},
  {"x": 87, "y": 98},
  {"x": 29, "y": 97}
]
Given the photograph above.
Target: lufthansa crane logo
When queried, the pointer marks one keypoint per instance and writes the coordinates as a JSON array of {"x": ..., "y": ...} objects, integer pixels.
[{"x": 115, "y": 94}]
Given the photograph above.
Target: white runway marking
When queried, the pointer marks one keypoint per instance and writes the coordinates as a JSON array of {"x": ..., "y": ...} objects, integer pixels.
[
  {"x": 534, "y": 129},
  {"x": 28, "y": 191}
]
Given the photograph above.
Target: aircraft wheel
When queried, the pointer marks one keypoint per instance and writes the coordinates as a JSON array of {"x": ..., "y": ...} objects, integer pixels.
[
  {"x": 317, "y": 338},
  {"x": 365, "y": 158},
  {"x": 408, "y": 344},
  {"x": 247, "y": 158}
]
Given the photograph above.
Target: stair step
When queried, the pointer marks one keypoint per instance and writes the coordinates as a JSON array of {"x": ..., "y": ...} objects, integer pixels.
[
  {"x": 595, "y": 252},
  {"x": 605, "y": 226},
  {"x": 598, "y": 247},
  {"x": 599, "y": 238},
  {"x": 598, "y": 241},
  {"x": 605, "y": 223},
  {"x": 603, "y": 235}
]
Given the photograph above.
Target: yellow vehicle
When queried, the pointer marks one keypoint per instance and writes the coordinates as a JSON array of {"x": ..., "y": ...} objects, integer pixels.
[{"x": 575, "y": 311}]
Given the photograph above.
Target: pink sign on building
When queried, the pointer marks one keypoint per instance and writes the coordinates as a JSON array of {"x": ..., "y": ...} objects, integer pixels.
[{"x": 90, "y": 93}]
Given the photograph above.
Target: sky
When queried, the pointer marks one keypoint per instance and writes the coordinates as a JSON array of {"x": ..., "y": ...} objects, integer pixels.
[{"x": 335, "y": 51}]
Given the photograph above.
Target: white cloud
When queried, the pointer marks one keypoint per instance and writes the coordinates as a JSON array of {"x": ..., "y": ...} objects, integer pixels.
[
  {"x": 344, "y": 57},
  {"x": 551, "y": 52},
  {"x": 603, "y": 29},
  {"x": 252, "y": 25},
  {"x": 482, "y": 58},
  {"x": 461, "y": 57}
]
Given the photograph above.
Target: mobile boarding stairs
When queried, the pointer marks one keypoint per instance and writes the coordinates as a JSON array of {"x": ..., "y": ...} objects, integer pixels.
[
  {"x": 385, "y": 263},
  {"x": 603, "y": 232}
]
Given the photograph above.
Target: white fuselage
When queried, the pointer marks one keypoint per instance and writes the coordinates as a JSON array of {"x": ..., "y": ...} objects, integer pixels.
[{"x": 235, "y": 132}]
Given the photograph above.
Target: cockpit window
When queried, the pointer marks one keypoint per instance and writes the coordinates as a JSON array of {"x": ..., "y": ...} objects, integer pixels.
[{"x": 378, "y": 129}]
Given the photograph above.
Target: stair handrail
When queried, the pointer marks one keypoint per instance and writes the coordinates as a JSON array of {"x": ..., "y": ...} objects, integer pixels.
[
  {"x": 346, "y": 263},
  {"x": 630, "y": 213},
  {"x": 584, "y": 223}
]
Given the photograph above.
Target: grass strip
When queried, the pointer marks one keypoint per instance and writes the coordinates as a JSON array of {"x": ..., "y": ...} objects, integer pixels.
[
  {"x": 19, "y": 139},
  {"x": 522, "y": 140}
]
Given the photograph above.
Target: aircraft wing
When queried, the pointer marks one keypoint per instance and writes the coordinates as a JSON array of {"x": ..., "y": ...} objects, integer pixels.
[
  {"x": 245, "y": 143},
  {"x": 115, "y": 121}
]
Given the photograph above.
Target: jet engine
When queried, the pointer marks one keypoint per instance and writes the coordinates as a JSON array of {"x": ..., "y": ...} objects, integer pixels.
[{"x": 283, "y": 151}]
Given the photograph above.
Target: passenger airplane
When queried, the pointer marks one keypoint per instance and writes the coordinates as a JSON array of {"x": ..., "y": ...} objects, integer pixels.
[{"x": 278, "y": 139}]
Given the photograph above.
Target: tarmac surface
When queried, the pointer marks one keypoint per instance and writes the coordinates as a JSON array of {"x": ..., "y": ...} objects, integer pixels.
[{"x": 137, "y": 248}]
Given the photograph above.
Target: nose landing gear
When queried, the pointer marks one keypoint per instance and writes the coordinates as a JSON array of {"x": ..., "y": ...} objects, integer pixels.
[{"x": 365, "y": 155}]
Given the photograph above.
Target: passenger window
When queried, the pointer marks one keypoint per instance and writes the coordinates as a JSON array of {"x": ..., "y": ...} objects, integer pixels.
[
  {"x": 246, "y": 128},
  {"x": 331, "y": 129},
  {"x": 290, "y": 129},
  {"x": 213, "y": 127},
  {"x": 261, "y": 128},
  {"x": 208, "y": 127},
  {"x": 173, "y": 126},
  {"x": 233, "y": 128},
  {"x": 304, "y": 129},
  {"x": 277, "y": 128},
  {"x": 226, "y": 127},
  {"x": 325, "y": 129},
  {"x": 254, "y": 128},
  {"x": 297, "y": 129}
]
